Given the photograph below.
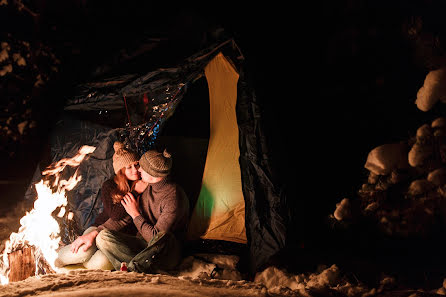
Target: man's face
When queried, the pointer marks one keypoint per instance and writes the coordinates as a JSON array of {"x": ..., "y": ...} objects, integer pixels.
[{"x": 147, "y": 178}]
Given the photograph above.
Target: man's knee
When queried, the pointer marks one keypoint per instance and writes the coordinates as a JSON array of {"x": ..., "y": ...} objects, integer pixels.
[{"x": 103, "y": 238}]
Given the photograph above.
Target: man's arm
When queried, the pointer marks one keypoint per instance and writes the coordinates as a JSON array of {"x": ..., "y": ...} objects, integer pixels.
[{"x": 165, "y": 221}]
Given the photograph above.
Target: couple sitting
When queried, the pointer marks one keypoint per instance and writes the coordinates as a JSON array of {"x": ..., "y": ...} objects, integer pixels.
[{"x": 144, "y": 220}]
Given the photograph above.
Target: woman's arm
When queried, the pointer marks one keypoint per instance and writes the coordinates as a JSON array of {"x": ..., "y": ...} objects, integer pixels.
[{"x": 85, "y": 240}]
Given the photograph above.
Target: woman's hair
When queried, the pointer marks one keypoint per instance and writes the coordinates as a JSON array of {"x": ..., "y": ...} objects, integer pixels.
[{"x": 123, "y": 186}]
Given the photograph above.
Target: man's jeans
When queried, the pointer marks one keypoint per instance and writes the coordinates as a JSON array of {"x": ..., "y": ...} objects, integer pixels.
[
  {"x": 162, "y": 253},
  {"x": 91, "y": 258}
]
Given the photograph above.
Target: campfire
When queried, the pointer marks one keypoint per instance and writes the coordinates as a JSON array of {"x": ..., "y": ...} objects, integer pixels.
[{"x": 33, "y": 249}]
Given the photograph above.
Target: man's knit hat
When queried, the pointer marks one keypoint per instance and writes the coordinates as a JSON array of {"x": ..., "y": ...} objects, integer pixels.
[
  {"x": 122, "y": 157},
  {"x": 155, "y": 163}
]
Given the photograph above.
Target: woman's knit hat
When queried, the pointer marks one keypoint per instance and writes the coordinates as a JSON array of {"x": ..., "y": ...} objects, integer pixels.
[
  {"x": 155, "y": 163},
  {"x": 122, "y": 157}
]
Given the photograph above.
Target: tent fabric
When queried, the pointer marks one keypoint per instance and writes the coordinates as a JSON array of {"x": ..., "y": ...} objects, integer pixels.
[
  {"x": 103, "y": 95},
  {"x": 144, "y": 103},
  {"x": 265, "y": 200},
  {"x": 220, "y": 210}
]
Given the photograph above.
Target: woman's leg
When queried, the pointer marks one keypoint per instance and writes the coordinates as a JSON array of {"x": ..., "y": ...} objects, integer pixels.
[
  {"x": 98, "y": 261},
  {"x": 66, "y": 256}
]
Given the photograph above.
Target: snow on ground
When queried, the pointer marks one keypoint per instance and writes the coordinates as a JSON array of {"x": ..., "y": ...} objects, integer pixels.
[
  {"x": 271, "y": 282},
  {"x": 118, "y": 283}
]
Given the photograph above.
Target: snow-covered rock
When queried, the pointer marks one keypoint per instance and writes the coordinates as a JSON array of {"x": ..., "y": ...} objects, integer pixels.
[
  {"x": 423, "y": 149},
  {"x": 210, "y": 266},
  {"x": 419, "y": 187},
  {"x": 439, "y": 123},
  {"x": 342, "y": 210},
  {"x": 274, "y": 277},
  {"x": 385, "y": 158},
  {"x": 433, "y": 90},
  {"x": 437, "y": 177},
  {"x": 222, "y": 261},
  {"x": 328, "y": 277},
  {"x": 372, "y": 207},
  {"x": 6, "y": 69},
  {"x": 424, "y": 132},
  {"x": 18, "y": 59}
]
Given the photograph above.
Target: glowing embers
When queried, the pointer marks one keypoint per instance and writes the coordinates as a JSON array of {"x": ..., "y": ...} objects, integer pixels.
[{"x": 39, "y": 230}]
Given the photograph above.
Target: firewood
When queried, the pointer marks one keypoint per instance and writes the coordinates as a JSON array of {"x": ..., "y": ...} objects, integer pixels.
[{"x": 22, "y": 263}]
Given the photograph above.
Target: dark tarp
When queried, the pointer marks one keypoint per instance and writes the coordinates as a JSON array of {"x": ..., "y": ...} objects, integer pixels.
[
  {"x": 67, "y": 137},
  {"x": 133, "y": 109},
  {"x": 265, "y": 210}
]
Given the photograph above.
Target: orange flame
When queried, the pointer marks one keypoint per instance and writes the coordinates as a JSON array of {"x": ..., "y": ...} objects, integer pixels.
[{"x": 38, "y": 227}]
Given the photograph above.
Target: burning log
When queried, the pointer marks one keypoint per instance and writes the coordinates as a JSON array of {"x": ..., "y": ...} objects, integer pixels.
[
  {"x": 22, "y": 264},
  {"x": 26, "y": 262}
]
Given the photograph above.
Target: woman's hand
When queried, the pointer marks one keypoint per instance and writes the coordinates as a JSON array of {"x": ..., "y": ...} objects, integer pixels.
[
  {"x": 131, "y": 205},
  {"x": 85, "y": 240}
]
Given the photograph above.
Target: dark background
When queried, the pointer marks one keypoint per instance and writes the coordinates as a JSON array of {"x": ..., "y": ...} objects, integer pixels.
[{"x": 333, "y": 80}]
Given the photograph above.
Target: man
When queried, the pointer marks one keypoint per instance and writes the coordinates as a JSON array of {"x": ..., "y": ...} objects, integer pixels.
[{"x": 161, "y": 215}]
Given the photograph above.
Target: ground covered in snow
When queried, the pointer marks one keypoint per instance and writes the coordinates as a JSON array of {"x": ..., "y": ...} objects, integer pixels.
[
  {"x": 106, "y": 283},
  {"x": 271, "y": 282}
]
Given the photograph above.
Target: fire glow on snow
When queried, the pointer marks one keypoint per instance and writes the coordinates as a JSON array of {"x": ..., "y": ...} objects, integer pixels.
[{"x": 38, "y": 228}]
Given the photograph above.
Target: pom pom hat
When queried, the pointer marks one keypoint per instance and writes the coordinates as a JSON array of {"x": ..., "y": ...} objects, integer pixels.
[
  {"x": 155, "y": 163},
  {"x": 122, "y": 157}
]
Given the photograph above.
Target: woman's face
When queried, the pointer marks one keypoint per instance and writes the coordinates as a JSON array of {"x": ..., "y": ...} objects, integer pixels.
[{"x": 131, "y": 171}]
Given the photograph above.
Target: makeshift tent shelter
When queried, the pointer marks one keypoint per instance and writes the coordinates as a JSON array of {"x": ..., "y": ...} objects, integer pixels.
[{"x": 229, "y": 181}]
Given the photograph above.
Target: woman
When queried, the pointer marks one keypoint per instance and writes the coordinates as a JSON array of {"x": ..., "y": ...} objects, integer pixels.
[{"x": 127, "y": 179}]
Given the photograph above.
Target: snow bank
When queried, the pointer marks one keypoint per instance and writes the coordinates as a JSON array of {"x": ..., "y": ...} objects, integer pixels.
[
  {"x": 342, "y": 210},
  {"x": 385, "y": 158},
  {"x": 406, "y": 201},
  {"x": 433, "y": 90},
  {"x": 325, "y": 282},
  {"x": 209, "y": 266}
]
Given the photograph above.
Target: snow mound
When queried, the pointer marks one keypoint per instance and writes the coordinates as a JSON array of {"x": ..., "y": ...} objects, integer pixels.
[
  {"x": 342, "y": 209},
  {"x": 404, "y": 195},
  {"x": 325, "y": 282},
  {"x": 209, "y": 266},
  {"x": 433, "y": 90},
  {"x": 385, "y": 158}
]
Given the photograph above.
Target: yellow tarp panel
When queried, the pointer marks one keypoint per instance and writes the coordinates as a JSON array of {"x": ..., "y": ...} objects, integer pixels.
[{"x": 220, "y": 209}]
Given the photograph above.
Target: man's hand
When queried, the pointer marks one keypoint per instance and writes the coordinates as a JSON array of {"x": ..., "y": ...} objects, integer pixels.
[
  {"x": 131, "y": 205},
  {"x": 85, "y": 240}
]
